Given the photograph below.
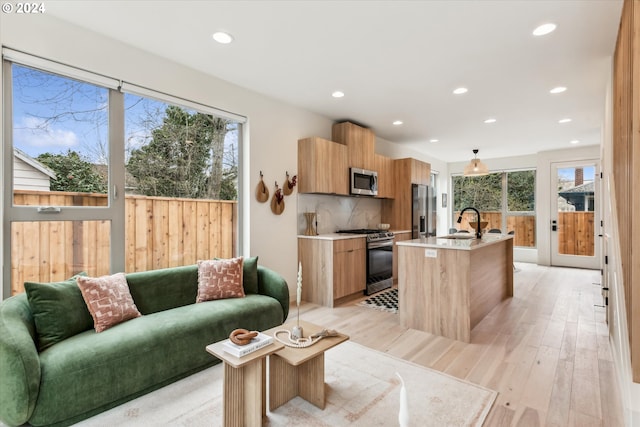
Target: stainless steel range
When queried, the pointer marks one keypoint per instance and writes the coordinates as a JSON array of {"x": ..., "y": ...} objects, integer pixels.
[{"x": 379, "y": 258}]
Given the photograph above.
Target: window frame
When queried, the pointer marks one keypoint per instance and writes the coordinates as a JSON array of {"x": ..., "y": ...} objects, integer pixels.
[
  {"x": 114, "y": 212},
  {"x": 504, "y": 209}
]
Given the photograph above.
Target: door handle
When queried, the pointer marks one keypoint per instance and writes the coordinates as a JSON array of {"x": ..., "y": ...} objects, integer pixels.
[
  {"x": 49, "y": 209},
  {"x": 554, "y": 225}
]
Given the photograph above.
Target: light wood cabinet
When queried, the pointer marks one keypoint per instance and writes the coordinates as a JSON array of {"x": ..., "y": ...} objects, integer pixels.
[
  {"x": 420, "y": 172},
  {"x": 384, "y": 167},
  {"x": 398, "y": 237},
  {"x": 322, "y": 167},
  {"x": 349, "y": 267},
  {"x": 360, "y": 144},
  {"x": 332, "y": 269},
  {"x": 397, "y": 212},
  {"x": 458, "y": 286}
]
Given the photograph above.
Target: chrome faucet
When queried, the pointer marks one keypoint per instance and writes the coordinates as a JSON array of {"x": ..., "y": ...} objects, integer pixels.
[{"x": 478, "y": 230}]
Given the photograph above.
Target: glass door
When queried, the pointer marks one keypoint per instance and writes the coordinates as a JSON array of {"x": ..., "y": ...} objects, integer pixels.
[{"x": 575, "y": 214}]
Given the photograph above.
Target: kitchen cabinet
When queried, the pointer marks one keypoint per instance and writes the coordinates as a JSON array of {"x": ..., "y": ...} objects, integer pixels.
[
  {"x": 384, "y": 167},
  {"x": 399, "y": 236},
  {"x": 349, "y": 267},
  {"x": 460, "y": 281},
  {"x": 397, "y": 211},
  {"x": 332, "y": 268},
  {"x": 420, "y": 172},
  {"x": 322, "y": 167},
  {"x": 360, "y": 144}
]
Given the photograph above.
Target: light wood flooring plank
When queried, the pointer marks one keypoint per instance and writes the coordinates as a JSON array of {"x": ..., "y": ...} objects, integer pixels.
[
  {"x": 539, "y": 385},
  {"x": 546, "y": 350},
  {"x": 560, "y": 402},
  {"x": 585, "y": 390},
  {"x": 611, "y": 406}
]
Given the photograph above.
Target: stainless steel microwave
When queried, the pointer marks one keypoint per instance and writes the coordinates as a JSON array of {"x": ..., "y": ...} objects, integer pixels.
[{"x": 363, "y": 182}]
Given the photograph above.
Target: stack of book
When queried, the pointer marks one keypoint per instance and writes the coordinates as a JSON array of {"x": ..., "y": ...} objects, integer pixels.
[{"x": 262, "y": 340}]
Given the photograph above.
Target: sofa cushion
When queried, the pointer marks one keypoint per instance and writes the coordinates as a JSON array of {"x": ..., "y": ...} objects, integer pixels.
[
  {"x": 108, "y": 299},
  {"x": 59, "y": 311},
  {"x": 141, "y": 354},
  {"x": 163, "y": 289},
  {"x": 220, "y": 279},
  {"x": 250, "y": 275}
]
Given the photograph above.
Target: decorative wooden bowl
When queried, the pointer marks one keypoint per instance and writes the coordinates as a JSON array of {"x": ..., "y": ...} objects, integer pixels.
[{"x": 483, "y": 224}]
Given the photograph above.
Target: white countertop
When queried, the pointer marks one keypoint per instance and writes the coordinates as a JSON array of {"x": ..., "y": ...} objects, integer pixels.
[
  {"x": 340, "y": 236},
  {"x": 333, "y": 236},
  {"x": 459, "y": 244}
]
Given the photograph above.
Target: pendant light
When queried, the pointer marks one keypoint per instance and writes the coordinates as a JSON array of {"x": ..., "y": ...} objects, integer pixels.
[{"x": 475, "y": 166}]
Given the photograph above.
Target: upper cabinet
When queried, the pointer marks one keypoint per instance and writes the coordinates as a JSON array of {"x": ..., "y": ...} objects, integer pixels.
[
  {"x": 360, "y": 144},
  {"x": 322, "y": 167},
  {"x": 384, "y": 166},
  {"x": 420, "y": 172},
  {"x": 397, "y": 211}
]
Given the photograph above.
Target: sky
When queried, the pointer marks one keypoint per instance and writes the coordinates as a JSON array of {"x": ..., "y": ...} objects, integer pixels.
[
  {"x": 53, "y": 114},
  {"x": 569, "y": 173}
]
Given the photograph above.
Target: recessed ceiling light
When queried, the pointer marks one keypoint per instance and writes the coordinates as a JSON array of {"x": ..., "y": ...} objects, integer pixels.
[
  {"x": 558, "y": 89},
  {"x": 574, "y": 142},
  {"x": 544, "y": 29},
  {"x": 397, "y": 122},
  {"x": 337, "y": 94},
  {"x": 567, "y": 120},
  {"x": 460, "y": 90},
  {"x": 222, "y": 37},
  {"x": 433, "y": 140},
  {"x": 490, "y": 121}
]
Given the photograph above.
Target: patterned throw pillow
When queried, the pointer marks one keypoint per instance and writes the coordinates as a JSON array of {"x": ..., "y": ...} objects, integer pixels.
[
  {"x": 108, "y": 300},
  {"x": 220, "y": 279}
]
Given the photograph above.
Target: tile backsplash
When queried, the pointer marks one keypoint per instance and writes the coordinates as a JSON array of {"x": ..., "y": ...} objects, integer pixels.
[{"x": 338, "y": 212}]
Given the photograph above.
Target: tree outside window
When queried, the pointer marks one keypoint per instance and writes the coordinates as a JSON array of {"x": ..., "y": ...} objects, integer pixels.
[{"x": 506, "y": 200}]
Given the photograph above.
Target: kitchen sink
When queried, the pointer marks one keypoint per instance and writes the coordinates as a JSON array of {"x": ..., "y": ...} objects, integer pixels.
[{"x": 458, "y": 236}]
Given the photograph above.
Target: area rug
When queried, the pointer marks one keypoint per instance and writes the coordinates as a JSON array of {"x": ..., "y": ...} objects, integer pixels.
[
  {"x": 362, "y": 389},
  {"x": 385, "y": 301}
]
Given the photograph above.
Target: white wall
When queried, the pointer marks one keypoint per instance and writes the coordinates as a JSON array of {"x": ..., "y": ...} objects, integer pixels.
[
  {"x": 26, "y": 177},
  {"x": 617, "y": 316},
  {"x": 273, "y": 127}
]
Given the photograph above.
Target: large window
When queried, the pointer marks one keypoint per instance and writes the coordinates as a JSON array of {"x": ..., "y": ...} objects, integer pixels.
[
  {"x": 107, "y": 176},
  {"x": 182, "y": 184},
  {"x": 506, "y": 201}
]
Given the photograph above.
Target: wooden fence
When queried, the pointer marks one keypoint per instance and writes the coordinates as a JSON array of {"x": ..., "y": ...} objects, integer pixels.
[
  {"x": 159, "y": 232},
  {"x": 576, "y": 233},
  {"x": 575, "y": 230}
]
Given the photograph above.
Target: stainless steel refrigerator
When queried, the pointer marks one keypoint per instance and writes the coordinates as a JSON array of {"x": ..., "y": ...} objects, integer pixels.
[{"x": 423, "y": 213}]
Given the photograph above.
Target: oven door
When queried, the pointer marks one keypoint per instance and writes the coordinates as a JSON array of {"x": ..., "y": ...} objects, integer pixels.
[{"x": 380, "y": 263}]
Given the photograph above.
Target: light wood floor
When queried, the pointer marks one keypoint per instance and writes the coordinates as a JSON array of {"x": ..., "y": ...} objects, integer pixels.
[{"x": 546, "y": 350}]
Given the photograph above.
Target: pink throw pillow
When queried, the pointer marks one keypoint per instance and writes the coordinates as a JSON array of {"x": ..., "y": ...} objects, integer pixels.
[
  {"x": 220, "y": 279},
  {"x": 108, "y": 300}
]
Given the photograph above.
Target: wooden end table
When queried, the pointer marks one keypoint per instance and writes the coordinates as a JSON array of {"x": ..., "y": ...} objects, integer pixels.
[
  {"x": 243, "y": 394},
  {"x": 299, "y": 371}
]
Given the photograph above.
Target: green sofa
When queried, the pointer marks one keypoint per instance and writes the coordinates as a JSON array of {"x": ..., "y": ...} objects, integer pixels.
[{"x": 90, "y": 372}]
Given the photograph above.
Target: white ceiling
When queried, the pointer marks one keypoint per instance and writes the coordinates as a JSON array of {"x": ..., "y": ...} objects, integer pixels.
[{"x": 396, "y": 60}]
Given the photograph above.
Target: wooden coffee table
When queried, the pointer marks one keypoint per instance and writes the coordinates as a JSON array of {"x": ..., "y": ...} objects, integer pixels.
[
  {"x": 299, "y": 371},
  {"x": 244, "y": 385}
]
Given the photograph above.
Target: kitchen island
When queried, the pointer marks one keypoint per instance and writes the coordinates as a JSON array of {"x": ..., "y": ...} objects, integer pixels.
[{"x": 447, "y": 285}]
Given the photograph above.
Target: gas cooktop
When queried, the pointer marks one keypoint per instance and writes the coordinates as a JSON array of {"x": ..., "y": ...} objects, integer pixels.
[
  {"x": 372, "y": 233},
  {"x": 359, "y": 231}
]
